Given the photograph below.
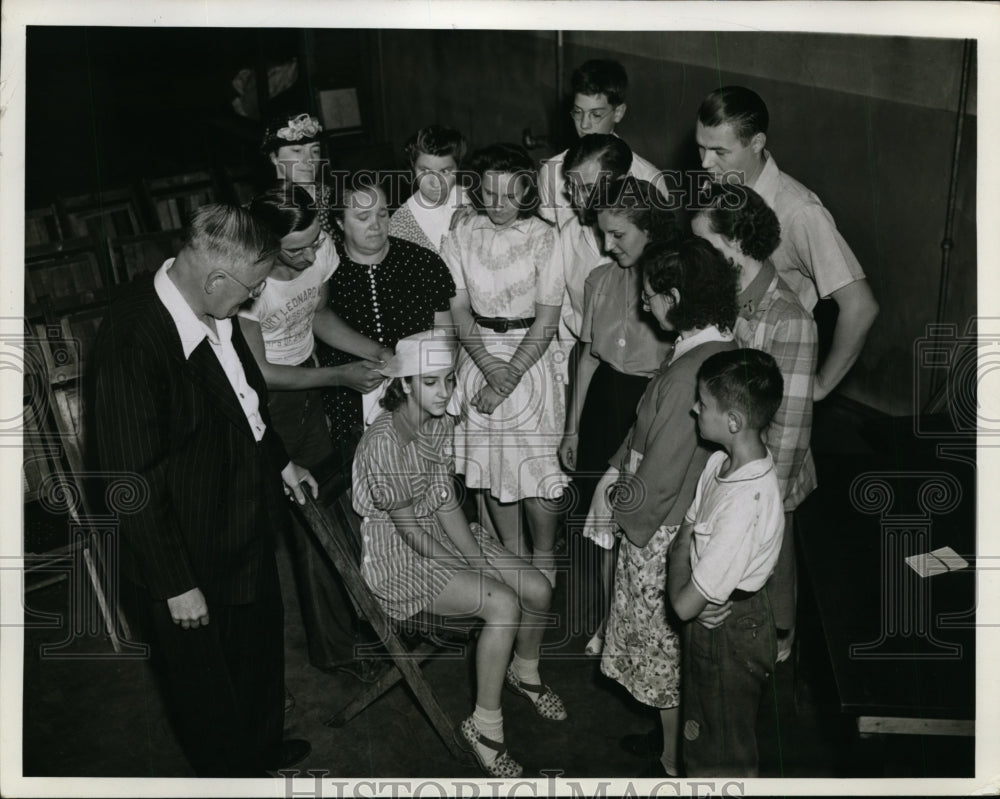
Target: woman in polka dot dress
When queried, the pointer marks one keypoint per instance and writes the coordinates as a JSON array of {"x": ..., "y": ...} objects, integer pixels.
[{"x": 385, "y": 288}]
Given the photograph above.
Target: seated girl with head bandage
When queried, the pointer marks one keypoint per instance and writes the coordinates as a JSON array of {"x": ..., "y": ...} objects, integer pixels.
[{"x": 420, "y": 552}]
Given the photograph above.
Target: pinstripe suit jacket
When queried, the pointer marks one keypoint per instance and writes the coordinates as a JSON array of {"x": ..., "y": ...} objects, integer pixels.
[{"x": 214, "y": 493}]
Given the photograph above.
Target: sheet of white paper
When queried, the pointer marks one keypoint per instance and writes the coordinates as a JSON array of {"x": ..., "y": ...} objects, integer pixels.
[{"x": 942, "y": 560}]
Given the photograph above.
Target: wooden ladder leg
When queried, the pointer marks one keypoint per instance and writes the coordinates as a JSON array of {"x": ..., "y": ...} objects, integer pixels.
[{"x": 95, "y": 581}]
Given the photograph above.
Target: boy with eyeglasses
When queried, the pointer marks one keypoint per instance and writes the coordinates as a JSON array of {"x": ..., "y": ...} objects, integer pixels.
[{"x": 599, "y": 88}]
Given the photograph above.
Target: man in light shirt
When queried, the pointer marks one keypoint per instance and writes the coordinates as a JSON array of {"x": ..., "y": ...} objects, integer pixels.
[
  {"x": 177, "y": 399},
  {"x": 812, "y": 258}
]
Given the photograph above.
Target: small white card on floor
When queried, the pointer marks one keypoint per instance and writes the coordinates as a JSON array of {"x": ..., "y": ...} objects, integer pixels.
[{"x": 939, "y": 561}]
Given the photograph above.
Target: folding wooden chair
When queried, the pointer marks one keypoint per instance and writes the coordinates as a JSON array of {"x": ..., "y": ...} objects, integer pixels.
[
  {"x": 114, "y": 212},
  {"x": 338, "y": 530},
  {"x": 65, "y": 344},
  {"x": 63, "y": 276},
  {"x": 133, "y": 255},
  {"x": 171, "y": 199},
  {"x": 42, "y": 226}
]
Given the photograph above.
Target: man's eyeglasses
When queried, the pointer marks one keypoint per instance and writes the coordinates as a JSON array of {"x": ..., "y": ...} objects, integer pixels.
[
  {"x": 576, "y": 189},
  {"x": 595, "y": 115},
  {"x": 647, "y": 297},
  {"x": 254, "y": 291},
  {"x": 310, "y": 247}
]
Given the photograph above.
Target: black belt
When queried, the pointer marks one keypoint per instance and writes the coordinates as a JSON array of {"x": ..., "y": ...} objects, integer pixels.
[
  {"x": 501, "y": 325},
  {"x": 739, "y": 595}
]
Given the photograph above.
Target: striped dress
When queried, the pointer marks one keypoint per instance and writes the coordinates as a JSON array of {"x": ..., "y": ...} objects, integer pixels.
[{"x": 396, "y": 466}]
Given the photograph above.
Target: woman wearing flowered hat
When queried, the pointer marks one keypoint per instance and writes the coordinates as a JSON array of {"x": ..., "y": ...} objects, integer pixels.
[{"x": 292, "y": 144}]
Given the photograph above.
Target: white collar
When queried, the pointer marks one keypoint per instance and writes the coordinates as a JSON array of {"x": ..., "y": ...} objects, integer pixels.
[
  {"x": 703, "y": 336},
  {"x": 189, "y": 327},
  {"x": 749, "y": 471},
  {"x": 435, "y": 222}
]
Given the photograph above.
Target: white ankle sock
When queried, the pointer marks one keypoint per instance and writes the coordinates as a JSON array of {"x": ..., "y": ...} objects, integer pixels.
[
  {"x": 490, "y": 724},
  {"x": 526, "y": 670}
]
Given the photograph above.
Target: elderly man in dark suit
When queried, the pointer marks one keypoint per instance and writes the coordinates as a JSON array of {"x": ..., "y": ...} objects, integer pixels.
[{"x": 178, "y": 400}]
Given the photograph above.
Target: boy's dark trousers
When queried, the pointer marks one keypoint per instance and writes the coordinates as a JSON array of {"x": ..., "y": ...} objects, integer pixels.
[{"x": 724, "y": 674}]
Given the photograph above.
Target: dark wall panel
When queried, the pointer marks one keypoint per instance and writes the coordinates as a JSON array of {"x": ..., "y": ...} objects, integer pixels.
[
  {"x": 488, "y": 84},
  {"x": 867, "y": 124},
  {"x": 881, "y": 167}
]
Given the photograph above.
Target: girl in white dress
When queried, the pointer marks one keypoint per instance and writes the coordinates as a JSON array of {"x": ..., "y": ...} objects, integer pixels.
[{"x": 509, "y": 288}]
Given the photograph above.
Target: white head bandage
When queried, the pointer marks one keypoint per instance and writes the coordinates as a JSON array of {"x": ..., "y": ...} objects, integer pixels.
[{"x": 422, "y": 353}]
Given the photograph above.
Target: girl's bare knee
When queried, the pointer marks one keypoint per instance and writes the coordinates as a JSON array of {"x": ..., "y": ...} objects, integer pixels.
[
  {"x": 536, "y": 590},
  {"x": 500, "y": 604}
]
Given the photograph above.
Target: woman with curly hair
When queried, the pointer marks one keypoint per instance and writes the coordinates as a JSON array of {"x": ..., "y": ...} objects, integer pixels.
[
  {"x": 745, "y": 230},
  {"x": 435, "y": 153},
  {"x": 689, "y": 289},
  {"x": 385, "y": 288},
  {"x": 620, "y": 350}
]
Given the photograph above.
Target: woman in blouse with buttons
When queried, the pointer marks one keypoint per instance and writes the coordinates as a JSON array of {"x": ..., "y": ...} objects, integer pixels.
[
  {"x": 621, "y": 347},
  {"x": 385, "y": 288}
]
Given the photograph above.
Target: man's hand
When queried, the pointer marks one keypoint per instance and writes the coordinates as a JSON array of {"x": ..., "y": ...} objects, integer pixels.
[
  {"x": 293, "y": 475},
  {"x": 189, "y": 609},
  {"x": 360, "y": 376},
  {"x": 713, "y": 615}
]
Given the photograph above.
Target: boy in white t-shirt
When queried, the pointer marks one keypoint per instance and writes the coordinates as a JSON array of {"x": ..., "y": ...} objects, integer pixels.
[{"x": 720, "y": 561}]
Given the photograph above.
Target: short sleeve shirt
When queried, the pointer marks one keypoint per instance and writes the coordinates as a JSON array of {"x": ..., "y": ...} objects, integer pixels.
[
  {"x": 738, "y": 523},
  {"x": 396, "y": 466},
  {"x": 812, "y": 257},
  {"x": 286, "y": 308},
  {"x": 395, "y": 298},
  {"x": 620, "y": 334},
  {"x": 505, "y": 270},
  {"x": 581, "y": 254}
]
